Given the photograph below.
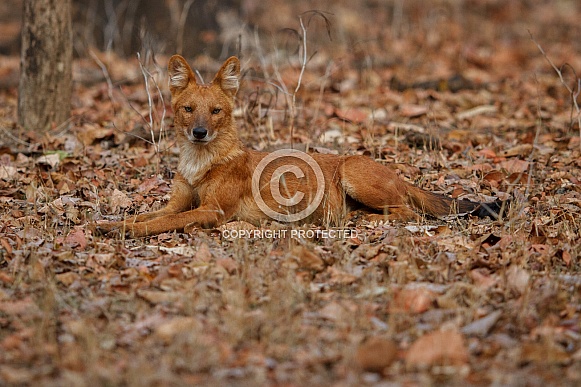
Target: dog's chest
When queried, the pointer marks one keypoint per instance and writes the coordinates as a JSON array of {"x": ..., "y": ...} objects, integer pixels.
[{"x": 194, "y": 165}]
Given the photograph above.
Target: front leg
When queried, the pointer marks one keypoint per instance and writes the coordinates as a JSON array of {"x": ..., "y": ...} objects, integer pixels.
[
  {"x": 183, "y": 198},
  {"x": 205, "y": 216},
  {"x": 220, "y": 202}
]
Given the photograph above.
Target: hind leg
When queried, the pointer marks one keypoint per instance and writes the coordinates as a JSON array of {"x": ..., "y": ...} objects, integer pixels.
[{"x": 376, "y": 186}]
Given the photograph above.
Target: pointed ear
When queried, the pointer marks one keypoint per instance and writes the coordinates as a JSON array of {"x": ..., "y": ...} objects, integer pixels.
[
  {"x": 228, "y": 77},
  {"x": 180, "y": 74}
]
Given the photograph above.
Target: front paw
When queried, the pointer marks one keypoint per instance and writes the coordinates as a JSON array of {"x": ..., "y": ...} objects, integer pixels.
[
  {"x": 106, "y": 227},
  {"x": 190, "y": 228},
  {"x": 131, "y": 230}
]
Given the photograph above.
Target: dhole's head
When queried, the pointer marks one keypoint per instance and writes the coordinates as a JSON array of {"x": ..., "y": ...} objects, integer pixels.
[{"x": 202, "y": 111}]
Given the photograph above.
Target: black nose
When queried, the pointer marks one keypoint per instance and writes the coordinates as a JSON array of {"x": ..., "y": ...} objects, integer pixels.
[{"x": 199, "y": 133}]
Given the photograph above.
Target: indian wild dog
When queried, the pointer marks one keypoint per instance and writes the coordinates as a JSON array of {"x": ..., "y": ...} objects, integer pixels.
[{"x": 213, "y": 183}]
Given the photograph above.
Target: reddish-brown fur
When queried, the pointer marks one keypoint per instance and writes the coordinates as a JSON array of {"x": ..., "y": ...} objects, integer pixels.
[{"x": 213, "y": 182}]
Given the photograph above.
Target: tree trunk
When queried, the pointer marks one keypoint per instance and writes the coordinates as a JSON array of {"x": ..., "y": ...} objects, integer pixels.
[{"x": 44, "y": 93}]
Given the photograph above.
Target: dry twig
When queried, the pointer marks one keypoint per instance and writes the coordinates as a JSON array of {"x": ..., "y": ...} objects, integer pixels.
[{"x": 573, "y": 93}]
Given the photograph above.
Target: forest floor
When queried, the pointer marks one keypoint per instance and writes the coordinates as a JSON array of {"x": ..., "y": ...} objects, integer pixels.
[{"x": 463, "y": 104}]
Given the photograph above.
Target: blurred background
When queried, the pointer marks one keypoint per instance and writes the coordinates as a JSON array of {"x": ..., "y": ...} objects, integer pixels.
[
  {"x": 366, "y": 45},
  {"x": 363, "y": 27}
]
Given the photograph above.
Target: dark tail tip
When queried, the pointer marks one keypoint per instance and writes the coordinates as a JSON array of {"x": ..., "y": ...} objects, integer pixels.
[{"x": 495, "y": 210}]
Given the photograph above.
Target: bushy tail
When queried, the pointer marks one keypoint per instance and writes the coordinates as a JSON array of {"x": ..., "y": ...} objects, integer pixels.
[{"x": 439, "y": 205}]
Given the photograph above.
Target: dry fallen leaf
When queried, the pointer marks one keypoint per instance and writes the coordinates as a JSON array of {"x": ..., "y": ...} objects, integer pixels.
[
  {"x": 203, "y": 254},
  {"x": 7, "y": 279},
  {"x": 517, "y": 279},
  {"x": 158, "y": 297},
  {"x": 482, "y": 326},
  {"x": 478, "y": 110},
  {"x": 376, "y": 354},
  {"x": 352, "y": 115},
  {"x": 228, "y": 264},
  {"x": 168, "y": 330},
  {"x": 119, "y": 200},
  {"x": 483, "y": 279},
  {"x": 8, "y": 172},
  {"x": 51, "y": 160},
  {"x": 16, "y": 375},
  {"x": 333, "y": 311},
  {"x": 487, "y": 153},
  {"x": 77, "y": 238},
  {"x": 414, "y": 300},
  {"x": 408, "y": 110},
  {"x": 67, "y": 278},
  {"x": 445, "y": 347},
  {"x": 544, "y": 353},
  {"x": 307, "y": 259},
  {"x": 340, "y": 277},
  {"x": 332, "y": 135},
  {"x": 522, "y": 150},
  {"x": 515, "y": 166},
  {"x": 566, "y": 257}
]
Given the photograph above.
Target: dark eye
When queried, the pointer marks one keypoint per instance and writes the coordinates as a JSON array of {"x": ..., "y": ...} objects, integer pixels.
[
  {"x": 188, "y": 109},
  {"x": 216, "y": 111}
]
